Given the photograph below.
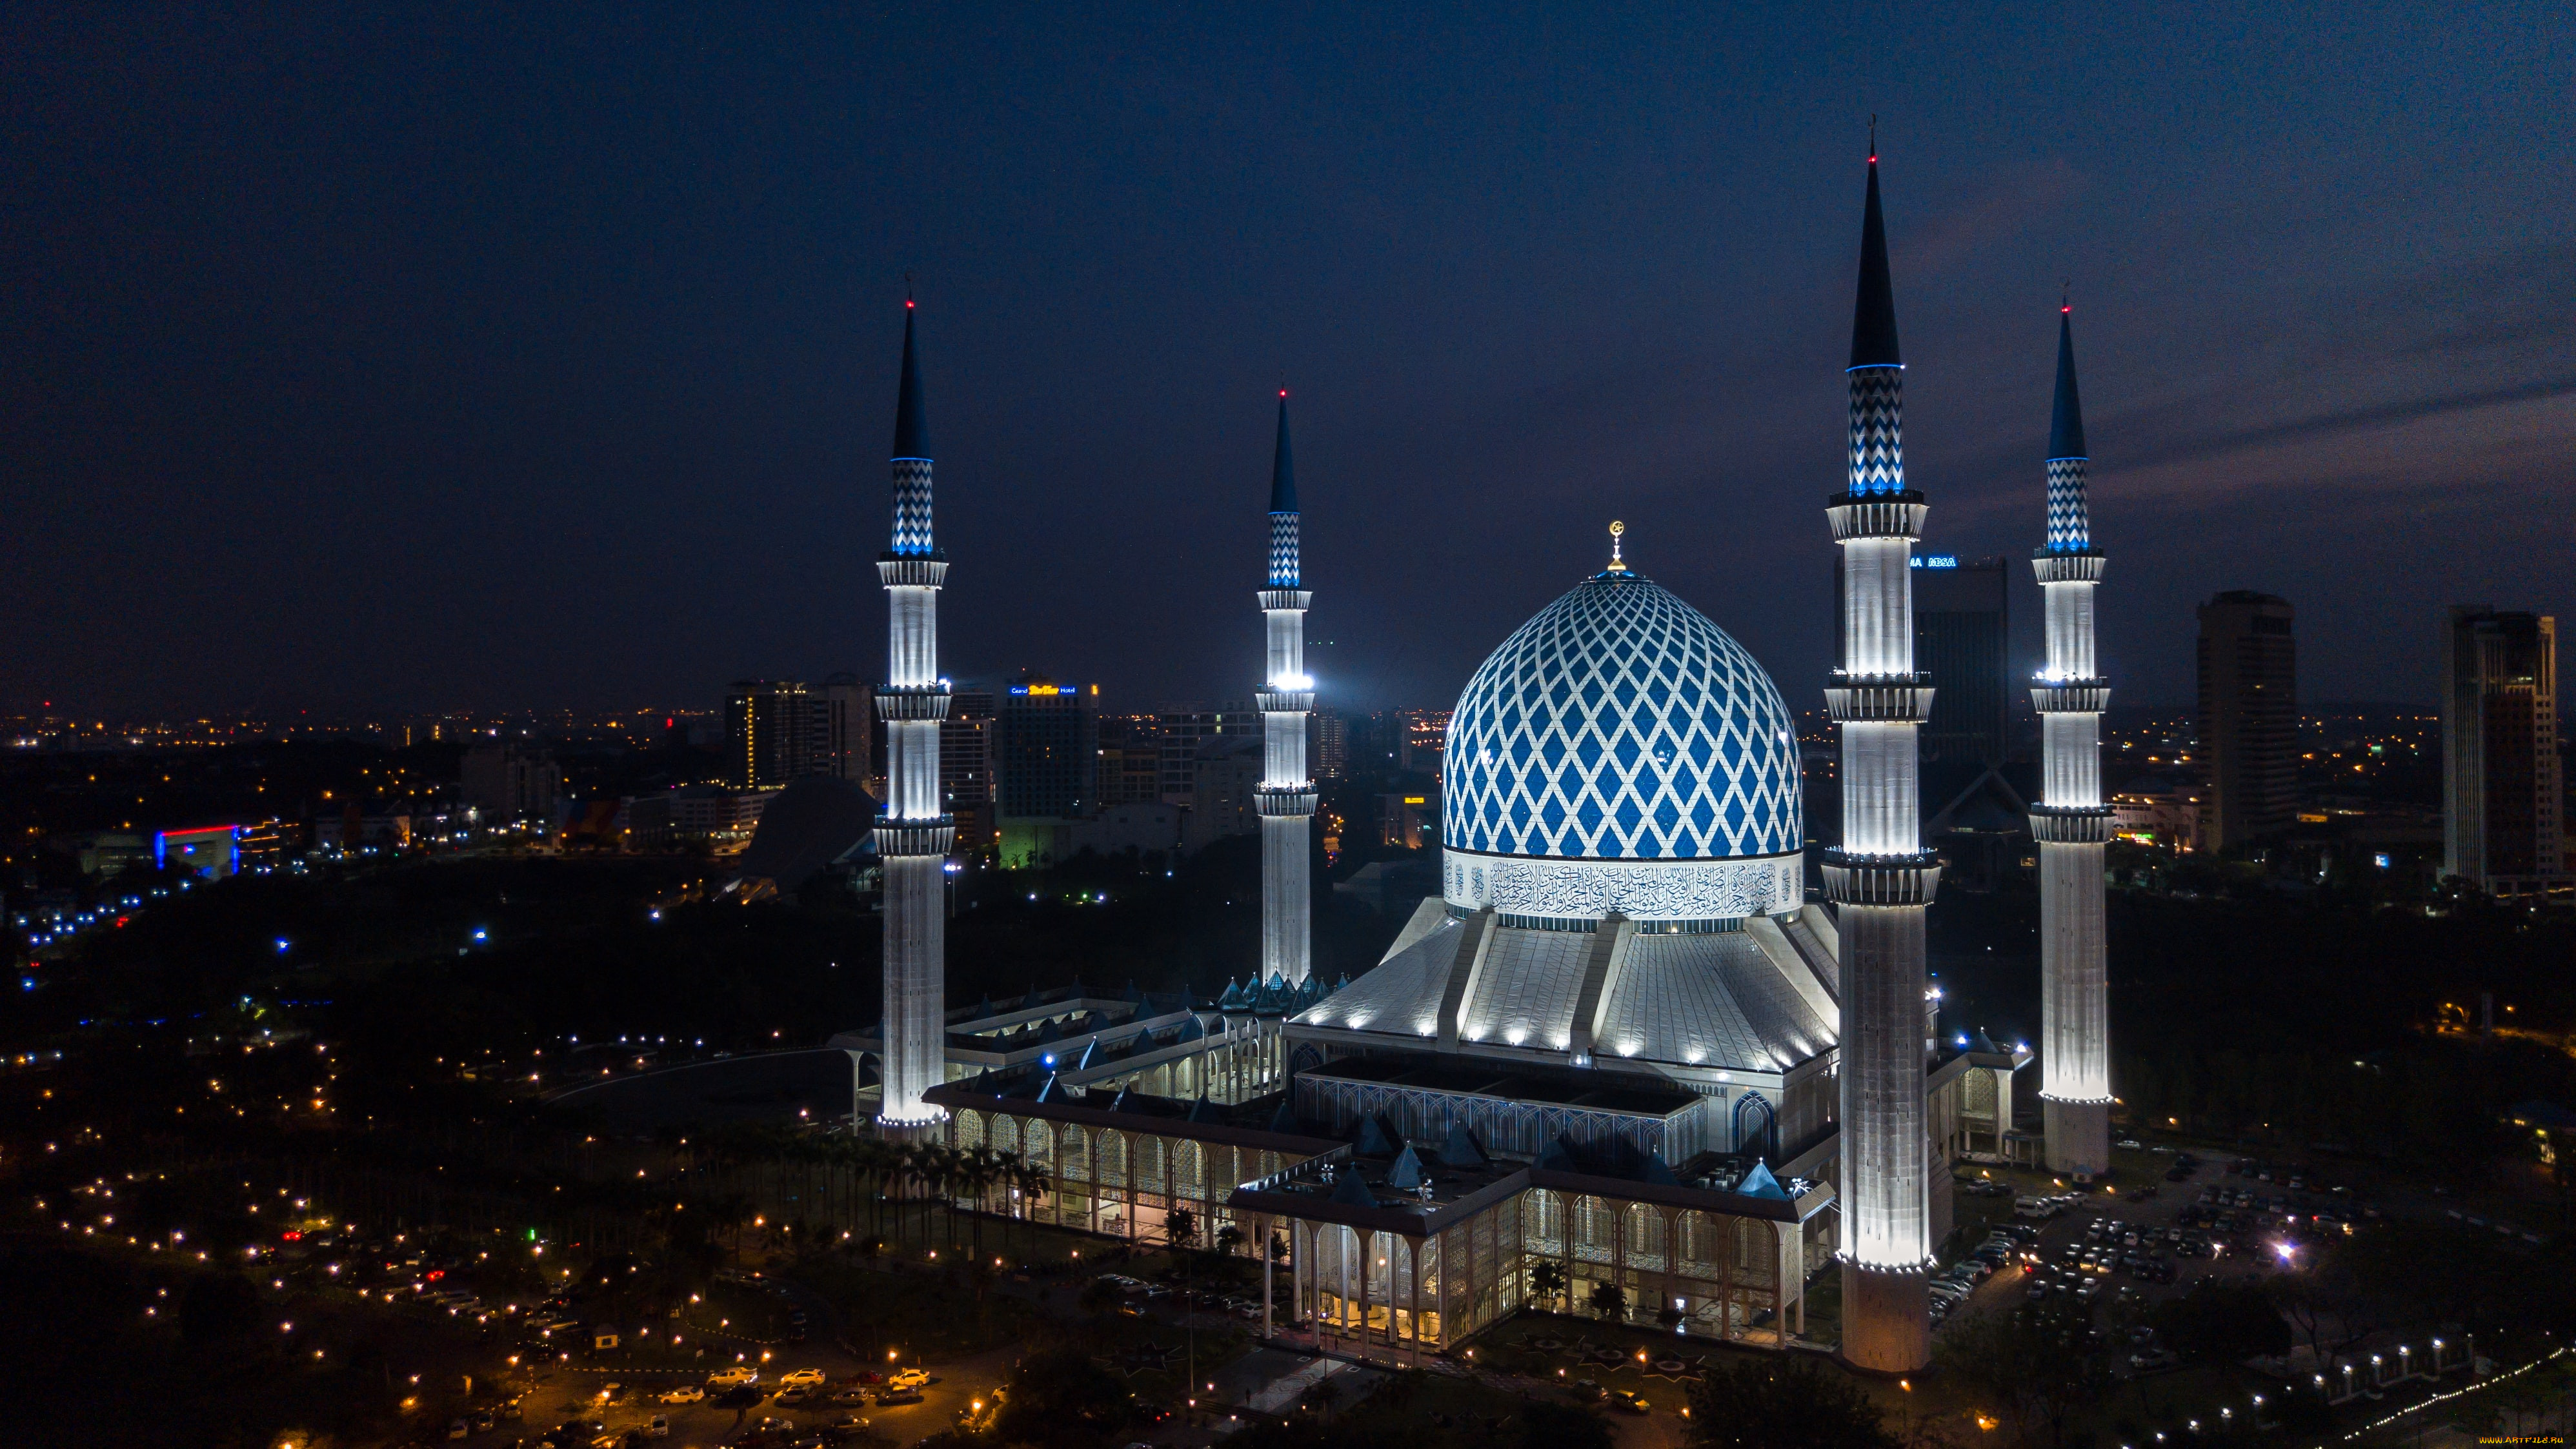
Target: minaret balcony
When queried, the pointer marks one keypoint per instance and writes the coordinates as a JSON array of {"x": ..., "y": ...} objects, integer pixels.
[
  {"x": 1284, "y": 800},
  {"x": 1902, "y": 880},
  {"x": 2070, "y": 824},
  {"x": 1898, "y": 700},
  {"x": 2068, "y": 568},
  {"x": 912, "y": 701},
  {"x": 1275, "y": 599},
  {"x": 2071, "y": 696},
  {"x": 912, "y": 570},
  {"x": 936, "y": 836},
  {"x": 1284, "y": 701},
  {"x": 1879, "y": 515}
]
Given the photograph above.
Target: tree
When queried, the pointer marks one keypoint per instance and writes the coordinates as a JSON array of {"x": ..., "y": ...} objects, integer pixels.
[
  {"x": 2222, "y": 1321},
  {"x": 1547, "y": 1280},
  {"x": 1098, "y": 1296},
  {"x": 1229, "y": 1239},
  {"x": 2032, "y": 1369},
  {"x": 1562, "y": 1426},
  {"x": 1608, "y": 1300},
  {"x": 1060, "y": 1399},
  {"x": 1782, "y": 1404},
  {"x": 1181, "y": 1226}
]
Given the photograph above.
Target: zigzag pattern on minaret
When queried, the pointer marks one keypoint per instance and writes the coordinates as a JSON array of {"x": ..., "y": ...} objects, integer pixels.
[
  {"x": 2070, "y": 521},
  {"x": 1283, "y": 551},
  {"x": 1877, "y": 463},
  {"x": 912, "y": 536}
]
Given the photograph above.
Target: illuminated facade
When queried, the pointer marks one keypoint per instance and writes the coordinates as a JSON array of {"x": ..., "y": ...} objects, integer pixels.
[
  {"x": 1286, "y": 798},
  {"x": 916, "y": 831},
  {"x": 2072, "y": 822},
  {"x": 1881, "y": 879},
  {"x": 1618, "y": 1040}
]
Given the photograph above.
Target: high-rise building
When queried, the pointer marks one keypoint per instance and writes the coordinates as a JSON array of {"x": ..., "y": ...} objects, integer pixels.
[
  {"x": 1880, "y": 878},
  {"x": 1332, "y": 738},
  {"x": 2249, "y": 719},
  {"x": 775, "y": 731},
  {"x": 1130, "y": 771},
  {"x": 2502, "y": 828},
  {"x": 848, "y": 730},
  {"x": 1046, "y": 748},
  {"x": 915, "y": 832},
  {"x": 966, "y": 766},
  {"x": 1286, "y": 797},
  {"x": 2071, "y": 823},
  {"x": 1184, "y": 727},
  {"x": 1961, "y": 642},
  {"x": 507, "y": 784}
]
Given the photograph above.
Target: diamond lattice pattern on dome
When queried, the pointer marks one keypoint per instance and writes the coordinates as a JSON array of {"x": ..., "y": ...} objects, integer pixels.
[{"x": 1621, "y": 724}]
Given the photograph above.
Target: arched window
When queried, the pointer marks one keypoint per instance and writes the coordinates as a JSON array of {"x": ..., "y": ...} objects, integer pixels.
[{"x": 1755, "y": 1131}]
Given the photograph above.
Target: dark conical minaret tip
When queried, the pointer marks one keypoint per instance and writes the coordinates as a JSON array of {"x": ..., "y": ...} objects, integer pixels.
[
  {"x": 1283, "y": 468},
  {"x": 1874, "y": 311},
  {"x": 911, "y": 423},
  {"x": 2066, "y": 415}
]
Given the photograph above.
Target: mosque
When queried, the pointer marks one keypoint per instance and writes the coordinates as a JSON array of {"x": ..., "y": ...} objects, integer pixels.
[{"x": 1626, "y": 1038}]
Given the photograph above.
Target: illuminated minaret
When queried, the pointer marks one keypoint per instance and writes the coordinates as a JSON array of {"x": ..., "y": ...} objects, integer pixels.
[
  {"x": 914, "y": 833},
  {"x": 1286, "y": 797},
  {"x": 2071, "y": 823},
  {"x": 1881, "y": 878}
]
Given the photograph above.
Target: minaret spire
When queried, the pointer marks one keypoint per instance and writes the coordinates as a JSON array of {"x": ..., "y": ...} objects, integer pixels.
[
  {"x": 1286, "y": 796},
  {"x": 1880, "y": 878},
  {"x": 2071, "y": 823},
  {"x": 914, "y": 832}
]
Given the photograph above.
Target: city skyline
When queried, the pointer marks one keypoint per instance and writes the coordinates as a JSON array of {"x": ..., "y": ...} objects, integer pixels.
[{"x": 575, "y": 403}]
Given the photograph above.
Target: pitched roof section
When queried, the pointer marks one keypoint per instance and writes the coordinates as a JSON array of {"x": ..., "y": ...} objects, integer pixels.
[
  {"x": 911, "y": 424},
  {"x": 2066, "y": 417},
  {"x": 1874, "y": 314}
]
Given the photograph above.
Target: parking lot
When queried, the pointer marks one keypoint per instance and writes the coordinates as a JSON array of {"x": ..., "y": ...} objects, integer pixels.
[{"x": 2151, "y": 1239}]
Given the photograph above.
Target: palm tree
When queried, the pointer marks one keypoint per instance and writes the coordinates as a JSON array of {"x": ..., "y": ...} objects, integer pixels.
[
  {"x": 1548, "y": 1280},
  {"x": 1035, "y": 1182}
]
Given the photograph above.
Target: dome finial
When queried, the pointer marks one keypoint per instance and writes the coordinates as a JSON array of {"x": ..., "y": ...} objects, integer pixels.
[{"x": 1617, "y": 566}]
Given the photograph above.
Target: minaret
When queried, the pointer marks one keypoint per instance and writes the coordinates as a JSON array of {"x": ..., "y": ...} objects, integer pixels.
[
  {"x": 914, "y": 833},
  {"x": 1286, "y": 797},
  {"x": 2071, "y": 823},
  {"x": 1881, "y": 878}
]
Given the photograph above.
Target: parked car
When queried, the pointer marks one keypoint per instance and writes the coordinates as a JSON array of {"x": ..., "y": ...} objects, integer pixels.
[
  {"x": 911, "y": 1378},
  {"x": 733, "y": 1378},
  {"x": 892, "y": 1398},
  {"x": 802, "y": 1377},
  {"x": 684, "y": 1394}
]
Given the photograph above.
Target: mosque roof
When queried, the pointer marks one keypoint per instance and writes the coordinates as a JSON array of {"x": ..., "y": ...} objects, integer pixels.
[
  {"x": 1621, "y": 724},
  {"x": 1717, "y": 1000}
]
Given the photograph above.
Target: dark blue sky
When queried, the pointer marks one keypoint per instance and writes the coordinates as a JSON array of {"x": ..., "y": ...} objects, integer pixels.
[{"x": 523, "y": 356}]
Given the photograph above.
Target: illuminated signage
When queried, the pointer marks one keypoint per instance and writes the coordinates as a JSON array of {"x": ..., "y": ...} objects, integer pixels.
[{"x": 1937, "y": 561}]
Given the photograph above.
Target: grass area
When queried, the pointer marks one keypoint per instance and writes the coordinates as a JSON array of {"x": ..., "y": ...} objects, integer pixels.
[
  {"x": 929, "y": 1314},
  {"x": 1437, "y": 1411}
]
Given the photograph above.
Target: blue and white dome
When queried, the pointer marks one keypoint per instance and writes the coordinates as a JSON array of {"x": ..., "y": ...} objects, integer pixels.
[{"x": 1621, "y": 752}]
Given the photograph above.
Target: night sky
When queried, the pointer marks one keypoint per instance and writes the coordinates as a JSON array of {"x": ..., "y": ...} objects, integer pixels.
[{"x": 535, "y": 356}]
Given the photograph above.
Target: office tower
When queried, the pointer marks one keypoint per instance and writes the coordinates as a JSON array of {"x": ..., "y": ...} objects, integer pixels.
[
  {"x": 508, "y": 784},
  {"x": 2501, "y": 825},
  {"x": 1130, "y": 771},
  {"x": 2249, "y": 719},
  {"x": 1046, "y": 746},
  {"x": 1185, "y": 727},
  {"x": 848, "y": 729},
  {"x": 915, "y": 832},
  {"x": 2071, "y": 823},
  {"x": 1881, "y": 878},
  {"x": 1961, "y": 635},
  {"x": 1286, "y": 799},
  {"x": 1332, "y": 738},
  {"x": 774, "y": 733}
]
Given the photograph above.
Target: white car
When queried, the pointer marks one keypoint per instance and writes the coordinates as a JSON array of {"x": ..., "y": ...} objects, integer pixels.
[
  {"x": 802, "y": 1378},
  {"x": 733, "y": 1378},
  {"x": 660, "y": 1428},
  {"x": 685, "y": 1394},
  {"x": 911, "y": 1378}
]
